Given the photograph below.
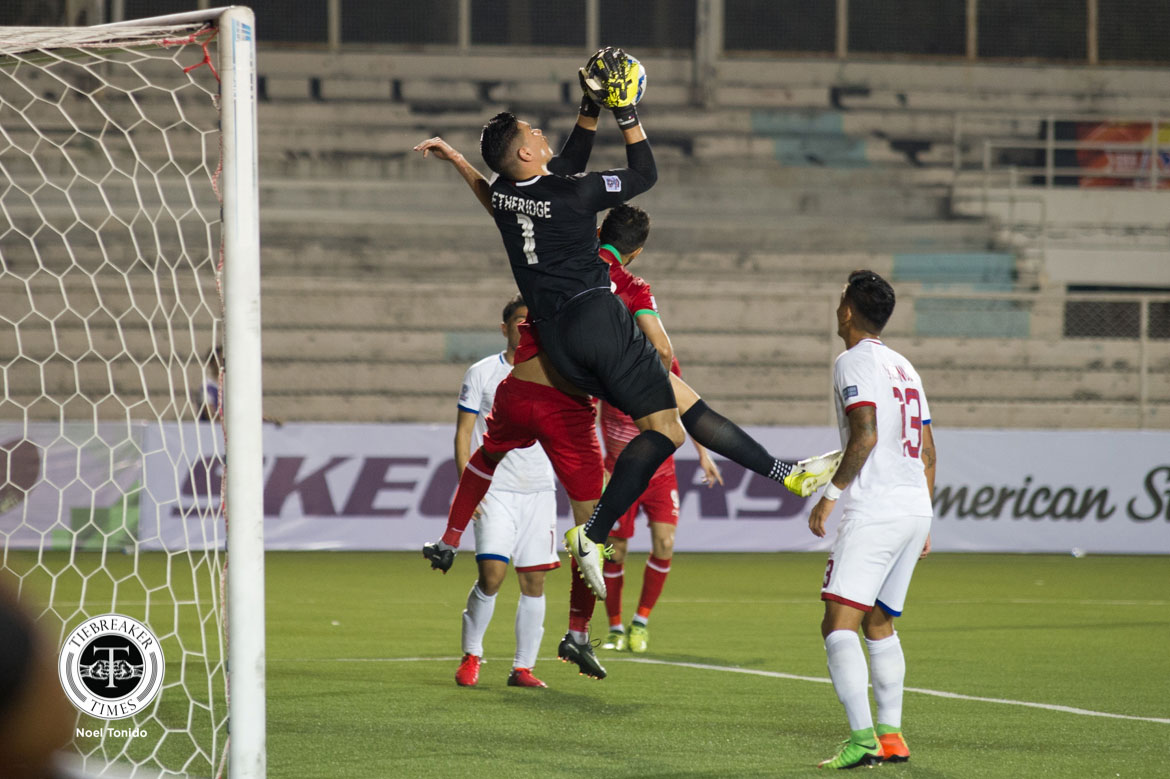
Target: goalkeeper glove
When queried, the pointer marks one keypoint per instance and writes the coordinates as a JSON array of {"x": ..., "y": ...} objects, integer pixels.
[
  {"x": 627, "y": 116},
  {"x": 588, "y": 107},
  {"x": 593, "y": 91},
  {"x": 605, "y": 79}
]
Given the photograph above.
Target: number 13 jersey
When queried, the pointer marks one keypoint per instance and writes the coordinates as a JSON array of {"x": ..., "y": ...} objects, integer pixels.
[{"x": 892, "y": 483}]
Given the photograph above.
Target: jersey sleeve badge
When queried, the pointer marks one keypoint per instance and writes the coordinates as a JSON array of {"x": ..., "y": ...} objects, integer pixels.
[{"x": 612, "y": 183}]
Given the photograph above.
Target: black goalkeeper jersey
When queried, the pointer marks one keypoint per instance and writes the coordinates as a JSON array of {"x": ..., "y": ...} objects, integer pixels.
[{"x": 549, "y": 223}]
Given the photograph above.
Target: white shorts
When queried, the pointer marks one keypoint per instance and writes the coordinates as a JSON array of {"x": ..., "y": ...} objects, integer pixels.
[
  {"x": 872, "y": 561},
  {"x": 520, "y": 528}
]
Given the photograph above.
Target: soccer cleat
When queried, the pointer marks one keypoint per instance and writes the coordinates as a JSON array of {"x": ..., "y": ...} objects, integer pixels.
[
  {"x": 616, "y": 640},
  {"x": 894, "y": 749},
  {"x": 522, "y": 677},
  {"x": 570, "y": 651},
  {"x": 588, "y": 555},
  {"x": 441, "y": 559},
  {"x": 639, "y": 638},
  {"x": 853, "y": 754},
  {"x": 811, "y": 474},
  {"x": 467, "y": 675}
]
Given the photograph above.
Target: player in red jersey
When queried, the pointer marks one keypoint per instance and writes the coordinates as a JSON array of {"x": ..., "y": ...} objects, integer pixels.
[{"x": 623, "y": 235}]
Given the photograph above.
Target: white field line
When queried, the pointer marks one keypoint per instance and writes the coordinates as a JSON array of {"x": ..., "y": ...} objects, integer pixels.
[
  {"x": 814, "y": 601},
  {"x": 768, "y": 674}
]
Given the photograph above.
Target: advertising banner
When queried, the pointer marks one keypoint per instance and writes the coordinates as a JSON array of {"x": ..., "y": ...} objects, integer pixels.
[
  {"x": 332, "y": 486},
  {"x": 1116, "y": 154}
]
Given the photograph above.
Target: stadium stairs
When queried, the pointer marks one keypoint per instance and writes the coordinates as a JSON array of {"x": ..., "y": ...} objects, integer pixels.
[{"x": 384, "y": 279}]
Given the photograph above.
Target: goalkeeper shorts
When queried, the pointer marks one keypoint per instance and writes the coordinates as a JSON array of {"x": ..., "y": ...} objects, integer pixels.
[{"x": 594, "y": 343}]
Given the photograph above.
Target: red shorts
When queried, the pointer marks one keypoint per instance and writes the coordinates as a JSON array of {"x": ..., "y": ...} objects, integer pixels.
[
  {"x": 659, "y": 502},
  {"x": 525, "y": 413}
]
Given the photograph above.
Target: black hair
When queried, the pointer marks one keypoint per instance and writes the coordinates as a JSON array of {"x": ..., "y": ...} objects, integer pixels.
[
  {"x": 496, "y": 140},
  {"x": 513, "y": 304},
  {"x": 625, "y": 228},
  {"x": 872, "y": 298}
]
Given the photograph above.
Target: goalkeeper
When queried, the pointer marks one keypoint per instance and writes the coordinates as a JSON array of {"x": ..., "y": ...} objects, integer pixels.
[{"x": 546, "y": 208}]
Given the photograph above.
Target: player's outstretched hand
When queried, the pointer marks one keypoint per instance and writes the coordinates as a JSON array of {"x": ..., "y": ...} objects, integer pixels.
[{"x": 440, "y": 148}]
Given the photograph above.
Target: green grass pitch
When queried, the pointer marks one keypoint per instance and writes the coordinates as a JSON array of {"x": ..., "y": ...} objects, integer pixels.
[{"x": 362, "y": 649}]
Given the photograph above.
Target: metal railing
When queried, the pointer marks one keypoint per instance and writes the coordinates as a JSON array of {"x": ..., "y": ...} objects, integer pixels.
[{"x": 1080, "y": 31}]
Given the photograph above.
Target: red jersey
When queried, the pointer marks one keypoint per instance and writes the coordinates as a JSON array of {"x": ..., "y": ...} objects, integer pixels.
[
  {"x": 617, "y": 429},
  {"x": 633, "y": 290}
]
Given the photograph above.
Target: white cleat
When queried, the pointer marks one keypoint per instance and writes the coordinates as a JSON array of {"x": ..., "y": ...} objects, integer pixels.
[
  {"x": 588, "y": 555},
  {"x": 810, "y": 475}
]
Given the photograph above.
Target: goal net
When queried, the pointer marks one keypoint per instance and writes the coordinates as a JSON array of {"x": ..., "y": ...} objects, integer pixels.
[{"x": 129, "y": 299}]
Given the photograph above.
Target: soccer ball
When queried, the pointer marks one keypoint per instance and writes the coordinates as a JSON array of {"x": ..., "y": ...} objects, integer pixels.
[
  {"x": 618, "y": 93},
  {"x": 635, "y": 78}
]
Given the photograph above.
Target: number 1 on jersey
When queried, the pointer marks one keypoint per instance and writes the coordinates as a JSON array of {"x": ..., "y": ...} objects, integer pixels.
[{"x": 529, "y": 233}]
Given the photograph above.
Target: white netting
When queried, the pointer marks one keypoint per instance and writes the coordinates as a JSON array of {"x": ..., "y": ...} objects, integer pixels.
[{"x": 110, "y": 319}]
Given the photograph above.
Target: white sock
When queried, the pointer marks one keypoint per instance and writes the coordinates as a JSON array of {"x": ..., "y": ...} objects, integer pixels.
[
  {"x": 850, "y": 676},
  {"x": 888, "y": 667},
  {"x": 476, "y": 618},
  {"x": 579, "y": 637},
  {"x": 529, "y": 630}
]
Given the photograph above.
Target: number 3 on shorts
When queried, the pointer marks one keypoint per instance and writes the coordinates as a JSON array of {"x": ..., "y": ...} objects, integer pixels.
[
  {"x": 529, "y": 234},
  {"x": 828, "y": 573}
]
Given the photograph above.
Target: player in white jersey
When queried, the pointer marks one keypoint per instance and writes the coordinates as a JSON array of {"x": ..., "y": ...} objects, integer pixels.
[
  {"x": 886, "y": 485},
  {"x": 516, "y": 522}
]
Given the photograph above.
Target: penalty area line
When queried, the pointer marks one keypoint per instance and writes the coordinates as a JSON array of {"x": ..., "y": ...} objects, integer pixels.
[{"x": 756, "y": 672}]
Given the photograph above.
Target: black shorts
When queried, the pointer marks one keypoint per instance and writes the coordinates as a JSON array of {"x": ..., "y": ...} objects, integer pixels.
[{"x": 596, "y": 345}]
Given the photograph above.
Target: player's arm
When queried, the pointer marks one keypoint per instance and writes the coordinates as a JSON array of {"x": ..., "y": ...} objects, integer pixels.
[
  {"x": 442, "y": 150},
  {"x": 711, "y": 473},
  {"x": 578, "y": 146},
  {"x": 862, "y": 439},
  {"x": 464, "y": 425},
  {"x": 651, "y": 326},
  {"x": 929, "y": 458}
]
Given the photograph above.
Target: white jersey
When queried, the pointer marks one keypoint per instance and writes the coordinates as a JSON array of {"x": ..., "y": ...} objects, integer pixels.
[
  {"x": 892, "y": 483},
  {"x": 521, "y": 470}
]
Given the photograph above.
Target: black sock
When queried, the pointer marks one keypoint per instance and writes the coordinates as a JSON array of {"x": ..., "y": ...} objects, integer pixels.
[
  {"x": 631, "y": 473},
  {"x": 720, "y": 434}
]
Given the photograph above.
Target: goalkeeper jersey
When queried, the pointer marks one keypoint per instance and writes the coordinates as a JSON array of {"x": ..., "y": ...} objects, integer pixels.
[{"x": 549, "y": 223}]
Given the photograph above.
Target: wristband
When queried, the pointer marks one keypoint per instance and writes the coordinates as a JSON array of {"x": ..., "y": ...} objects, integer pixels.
[
  {"x": 589, "y": 108},
  {"x": 832, "y": 491},
  {"x": 627, "y": 117}
]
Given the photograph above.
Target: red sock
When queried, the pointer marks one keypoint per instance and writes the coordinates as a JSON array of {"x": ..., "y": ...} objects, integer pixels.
[
  {"x": 581, "y": 602},
  {"x": 614, "y": 579},
  {"x": 473, "y": 485},
  {"x": 652, "y": 582}
]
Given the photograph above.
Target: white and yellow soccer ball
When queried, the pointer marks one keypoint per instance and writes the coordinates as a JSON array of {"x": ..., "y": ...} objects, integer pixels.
[{"x": 615, "y": 78}]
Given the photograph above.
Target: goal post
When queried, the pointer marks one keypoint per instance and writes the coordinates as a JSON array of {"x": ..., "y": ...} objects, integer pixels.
[{"x": 129, "y": 304}]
